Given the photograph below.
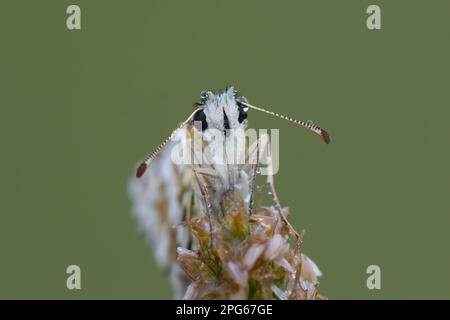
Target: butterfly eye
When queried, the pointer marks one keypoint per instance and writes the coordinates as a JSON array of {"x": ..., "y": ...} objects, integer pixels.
[
  {"x": 204, "y": 95},
  {"x": 242, "y": 114},
  {"x": 201, "y": 117}
]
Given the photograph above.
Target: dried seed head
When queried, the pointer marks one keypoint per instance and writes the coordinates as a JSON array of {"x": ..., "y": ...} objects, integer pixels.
[{"x": 247, "y": 256}]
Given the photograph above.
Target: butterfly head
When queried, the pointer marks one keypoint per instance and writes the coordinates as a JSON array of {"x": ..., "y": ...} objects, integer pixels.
[{"x": 221, "y": 110}]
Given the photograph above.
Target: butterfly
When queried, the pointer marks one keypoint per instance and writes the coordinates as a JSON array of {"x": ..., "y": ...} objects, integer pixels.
[{"x": 169, "y": 193}]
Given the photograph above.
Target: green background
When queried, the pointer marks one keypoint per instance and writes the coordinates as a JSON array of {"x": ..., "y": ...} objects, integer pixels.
[{"x": 80, "y": 108}]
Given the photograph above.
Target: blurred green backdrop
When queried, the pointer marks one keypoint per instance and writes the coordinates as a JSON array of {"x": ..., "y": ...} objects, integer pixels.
[{"x": 80, "y": 108}]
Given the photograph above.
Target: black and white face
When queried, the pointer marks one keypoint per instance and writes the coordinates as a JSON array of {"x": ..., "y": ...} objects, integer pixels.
[{"x": 222, "y": 110}]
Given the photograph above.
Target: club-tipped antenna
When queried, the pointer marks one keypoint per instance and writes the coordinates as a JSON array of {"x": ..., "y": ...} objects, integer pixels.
[
  {"x": 307, "y": 124},
  {"x": 149, "y": 159}
]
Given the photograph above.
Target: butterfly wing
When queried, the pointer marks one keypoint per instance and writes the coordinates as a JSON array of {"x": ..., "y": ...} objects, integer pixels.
[{"x": 161, "y": 202}]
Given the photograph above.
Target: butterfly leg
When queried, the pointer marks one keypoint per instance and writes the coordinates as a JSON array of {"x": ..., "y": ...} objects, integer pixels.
[
  {"x": 270, "y": 184},
  {"x": 204, "y": 192}
]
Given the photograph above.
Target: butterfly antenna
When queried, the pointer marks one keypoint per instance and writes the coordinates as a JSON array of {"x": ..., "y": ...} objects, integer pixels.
[
  {"x": 307, "y": 124},
  {"x": 149, "y": 159}
]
